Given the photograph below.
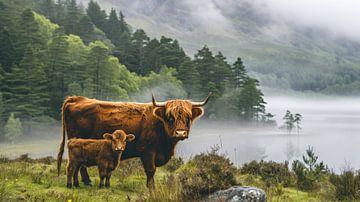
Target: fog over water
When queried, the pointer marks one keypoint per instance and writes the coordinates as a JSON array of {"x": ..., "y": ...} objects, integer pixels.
[{"x": 330, "y": 125}]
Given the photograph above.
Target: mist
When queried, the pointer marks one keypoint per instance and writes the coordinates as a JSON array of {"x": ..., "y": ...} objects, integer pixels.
[{"x": 330, "y": 126}]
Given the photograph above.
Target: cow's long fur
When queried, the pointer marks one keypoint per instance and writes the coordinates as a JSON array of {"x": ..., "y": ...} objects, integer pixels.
[{"x": 154, "y": 143}]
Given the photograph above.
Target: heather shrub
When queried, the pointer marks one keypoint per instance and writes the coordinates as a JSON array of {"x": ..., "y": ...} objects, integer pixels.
[{"x": 206, "y": 173}]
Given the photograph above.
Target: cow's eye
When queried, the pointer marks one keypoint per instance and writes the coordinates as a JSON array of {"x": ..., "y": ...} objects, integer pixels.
[
  {"x": 188, "y": 121},
  {"x": 171, "y": 121}
]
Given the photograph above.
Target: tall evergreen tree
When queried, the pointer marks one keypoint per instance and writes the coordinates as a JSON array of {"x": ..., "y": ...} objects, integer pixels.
[
  {"x": 37, "y": 97},
  {"x": 97, "y": 62},
  {"x": 47, "y": 8},
  {"x": 97, "y": 16},
  {"x": 189, "y": 76},
  {"x": 124, "y": 27},
  {"x": 58, "y": 70},
  {"x": 28, "y": 33},
  {"x": 7, "y": 51},
  {"x": 85, "y": 29},
  {"x": 250, "y": 103},
  {"x": 152, "y": 57},
  {"x": 113, "y": 30},
  {"x": 240, "y": 74},
  {"x": 72, "y": 18},
  {"x": 139, "y": 41}
]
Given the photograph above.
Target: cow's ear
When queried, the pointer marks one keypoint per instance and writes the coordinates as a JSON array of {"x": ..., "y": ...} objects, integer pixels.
[
  {"x": 197, "y": 112},
  {"x": 107, "y": 136},
  {"x": 130, "y": 138},
  {"x": 159, "y": 112}
]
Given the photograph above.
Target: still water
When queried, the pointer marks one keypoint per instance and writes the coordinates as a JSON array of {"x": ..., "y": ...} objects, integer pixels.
[{"x": 330, "y": 125}]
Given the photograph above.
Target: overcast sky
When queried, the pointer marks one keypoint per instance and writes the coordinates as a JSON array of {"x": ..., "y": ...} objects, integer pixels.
[{"x": 342, "y": 17}]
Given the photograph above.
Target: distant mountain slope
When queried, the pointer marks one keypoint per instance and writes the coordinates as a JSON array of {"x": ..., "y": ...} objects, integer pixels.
[{"x": 280, "y": 54}]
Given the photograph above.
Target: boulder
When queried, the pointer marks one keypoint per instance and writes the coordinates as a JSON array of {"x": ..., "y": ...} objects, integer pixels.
[{"x": 238, "y": 193}]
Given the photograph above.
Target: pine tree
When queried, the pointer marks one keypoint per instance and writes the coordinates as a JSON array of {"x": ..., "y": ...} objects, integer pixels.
[
  {"x": 289, "y": 121},
  {"x": 239, "y": 72},
  {"x": 250, "y": 102},
  {"x": 85, "y": 29},
  {"x": 97, "y": 62},
  {"x": 124, "y": 27},
  {"x": 97, "y": 16},
  {"x": 7, "y": 52},
  {"x": 297, "y": 121},
  {"x": 58, "y": 70},
  {"x": 139, "y": 41},
  {"x": 37, "y": 83},
  {"x": 59, "y": 12},
  {"x": 72, "y": 18},
  {"x": 113, "y": 30},
  {"x": 47, "y": 8},
  {"x": 13, "y": 128},
  {"x": 152, "y": 57},
  {"x": 28, "y": 33},
  {"x": 189, "y": 76}
]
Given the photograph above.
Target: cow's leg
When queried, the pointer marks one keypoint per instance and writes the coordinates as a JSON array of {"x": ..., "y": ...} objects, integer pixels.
[
  {"x": 107, "y": 182},
  {"x": 148, "y": 160},
  {"x": 76, "y": 176},
  {"x": 70, "y": 172},
  {"x": 102, "y": 174},
  {"x": 85, "y": 176}
]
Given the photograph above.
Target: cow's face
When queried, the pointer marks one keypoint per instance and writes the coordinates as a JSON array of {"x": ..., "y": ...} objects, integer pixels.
[
  {"x": 178, "y": 116},
  {"x": 119, "y": 139}
]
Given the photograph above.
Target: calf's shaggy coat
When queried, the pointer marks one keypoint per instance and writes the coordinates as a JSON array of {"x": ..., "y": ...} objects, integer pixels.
[{"x": 104, "y": 153}]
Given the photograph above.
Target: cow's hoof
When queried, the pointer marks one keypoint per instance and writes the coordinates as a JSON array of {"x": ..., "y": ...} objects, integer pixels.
[
  {"x": 69, "y": 186},
  {"x": 76, "y": 185}
]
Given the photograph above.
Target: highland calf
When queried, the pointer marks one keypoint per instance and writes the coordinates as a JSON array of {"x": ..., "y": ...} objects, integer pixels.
[{"x": 104, "y": 153}]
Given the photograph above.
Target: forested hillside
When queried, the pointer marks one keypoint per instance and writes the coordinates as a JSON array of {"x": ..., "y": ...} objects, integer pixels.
[
  {"x": 280, "y": 54},
  {"x": 50, "y": 50}
]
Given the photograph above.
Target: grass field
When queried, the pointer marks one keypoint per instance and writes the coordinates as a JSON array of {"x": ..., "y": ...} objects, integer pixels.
[{"x": 36, "y": 180}]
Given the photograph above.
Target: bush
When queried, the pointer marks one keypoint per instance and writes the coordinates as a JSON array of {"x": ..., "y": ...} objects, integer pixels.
[
  {"x": 174, "y": 164},
  {"x": 272, "y": 173},
  {"x": 205, "y": 174},
  {"x": 347, "y": 185},
  {"x": 310, "y": 172}
]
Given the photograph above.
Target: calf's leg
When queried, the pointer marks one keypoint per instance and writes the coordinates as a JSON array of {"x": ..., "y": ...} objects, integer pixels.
[
  {"x": 85, "y": 176},
  {"x": 102, "y": 174},
  {"x": 148, "y": 161},
  {"x": 107, "y": 182},
  {"x": 76, "y": 176},
  {"x": 70, "y": 173}
]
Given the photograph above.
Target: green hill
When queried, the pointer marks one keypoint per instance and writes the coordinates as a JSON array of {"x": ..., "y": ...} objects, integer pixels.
[{"x": 281, "y": 55}]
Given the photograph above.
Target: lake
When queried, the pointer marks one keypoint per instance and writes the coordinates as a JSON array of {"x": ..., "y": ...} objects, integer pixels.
[{"x": 330, "y": 125}]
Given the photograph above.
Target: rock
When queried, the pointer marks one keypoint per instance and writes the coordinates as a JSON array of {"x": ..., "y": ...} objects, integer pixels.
[{"x": 238, "y": 193}]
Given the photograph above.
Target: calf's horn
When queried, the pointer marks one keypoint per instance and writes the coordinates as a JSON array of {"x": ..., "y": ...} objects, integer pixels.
[
  {"x": 200, "y": 104},
  {"x": 157, "y": 104}
]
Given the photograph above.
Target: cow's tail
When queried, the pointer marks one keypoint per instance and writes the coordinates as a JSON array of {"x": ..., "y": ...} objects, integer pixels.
[{"x": 62, "y": 142}]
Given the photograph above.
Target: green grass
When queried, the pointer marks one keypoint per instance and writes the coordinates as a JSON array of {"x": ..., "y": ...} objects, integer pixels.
[{"x": 36, "y": 180}]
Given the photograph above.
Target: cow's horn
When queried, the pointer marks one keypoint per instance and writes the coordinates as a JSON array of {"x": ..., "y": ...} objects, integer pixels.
[
  {"x": 200, "y": 104},
  {"x": 157, "y": 104}
]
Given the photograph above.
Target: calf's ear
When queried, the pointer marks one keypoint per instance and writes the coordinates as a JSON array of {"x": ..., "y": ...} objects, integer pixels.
[
  {"x": 197, "y": 112},
  {"x": 130, "y": 138},
  {"x": 107, "y": 136},
  {"x": 159, "y": 112}
]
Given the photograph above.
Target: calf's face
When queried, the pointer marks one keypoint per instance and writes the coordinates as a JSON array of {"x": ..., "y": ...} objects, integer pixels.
[{"x": 119, "y": 139}]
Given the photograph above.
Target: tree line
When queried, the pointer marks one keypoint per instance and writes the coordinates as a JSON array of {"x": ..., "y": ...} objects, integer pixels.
[{"x": 50, "y": 50}]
